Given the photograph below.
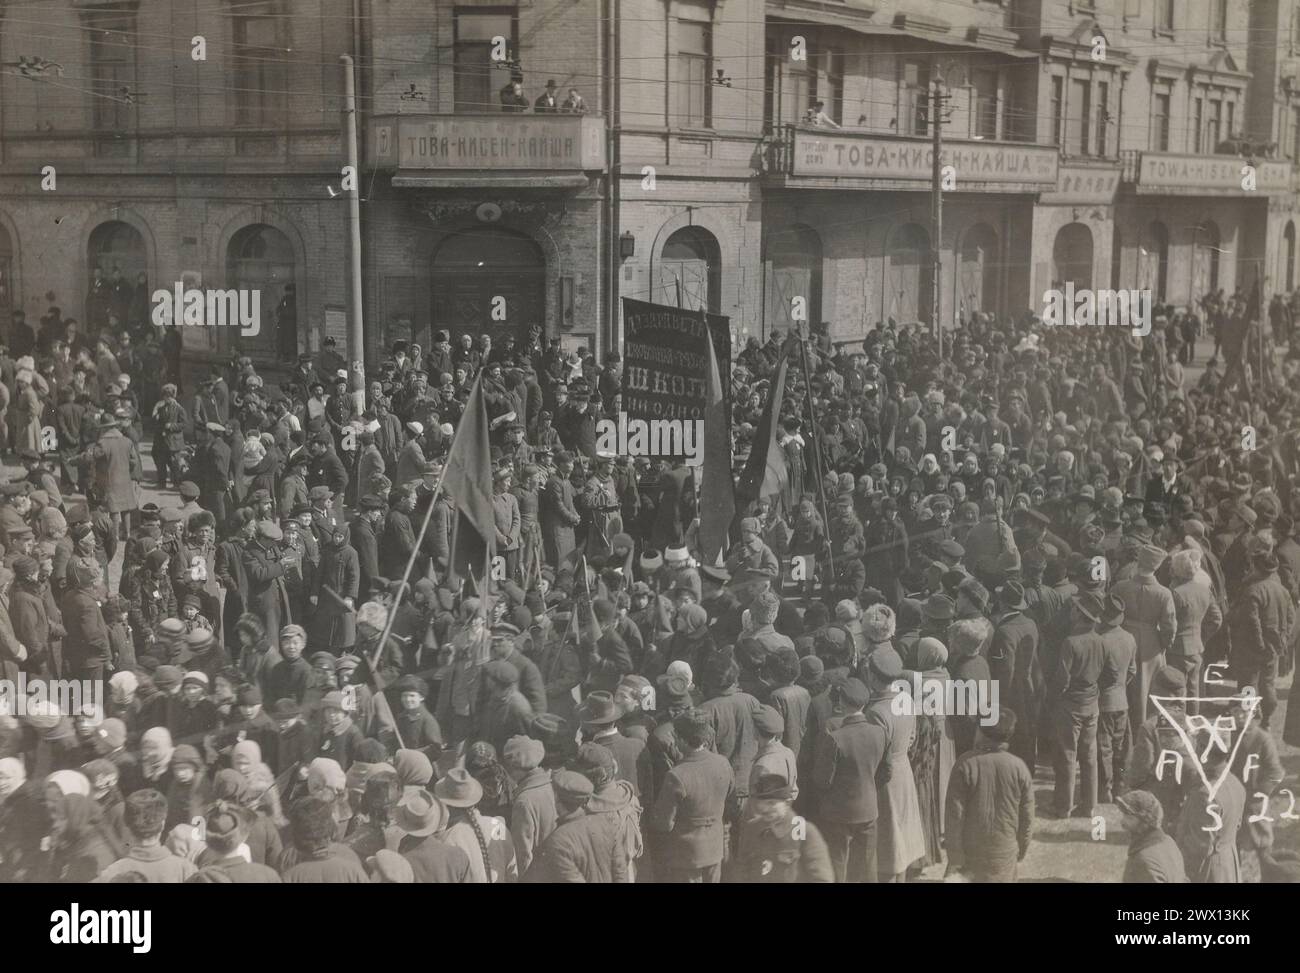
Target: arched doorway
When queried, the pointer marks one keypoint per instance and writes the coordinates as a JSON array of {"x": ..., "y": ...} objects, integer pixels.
[
  {"x": 471, "y": 270},
  {"x": 977, "y": 274},
  {"x": 1072, "y": 257},
  {"x": 794, "y": 270},
  {"x": 8, "y": 300},
  {"x": 116, "y": 259},
  {"x": 692, "y": 256},
  {"x": 1157, "y": 260},
  {"x": 1205, "y": 272},
  {"x": 1288, "y": 254},
  {"x": 909, "y": 285},
  {"x": 261, "y": 258}
]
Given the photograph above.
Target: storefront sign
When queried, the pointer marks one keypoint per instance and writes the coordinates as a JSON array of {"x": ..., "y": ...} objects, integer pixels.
[
  {"x": 665, "y": 360},
  {"x": 905, "y": 159},
  {"x": 549, "y": 142},
  {"x": 1220, "y": 174},
  {"x": 1084, "y": 186}
]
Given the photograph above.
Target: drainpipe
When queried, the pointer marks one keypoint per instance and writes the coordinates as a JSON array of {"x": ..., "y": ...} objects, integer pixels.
[{"x": 613, "y": 180}]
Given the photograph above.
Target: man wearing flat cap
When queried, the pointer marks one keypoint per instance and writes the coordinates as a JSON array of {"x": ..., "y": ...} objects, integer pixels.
[
  {"x": 264, "y": 564},
  {"x": 364, "y": 538},
  {"x": 114, "y": 465},
  {"x": 1073, "y": 694},
  {"x": 847, "y": 767},
  {"x": 1260, "y": 621},
  {"x": 1151, "y": 617},
  {"x": 584, "y": 847},
  {"x": 326, "y": 468}
]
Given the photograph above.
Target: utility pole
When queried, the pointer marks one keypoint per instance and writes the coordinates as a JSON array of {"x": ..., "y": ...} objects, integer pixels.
[
  {"x": 937, "y": 100},
  {"x": 356, "y": 334}
]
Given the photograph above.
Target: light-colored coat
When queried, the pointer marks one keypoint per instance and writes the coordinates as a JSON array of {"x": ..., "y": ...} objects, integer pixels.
[{"x": 899, "y": 838}]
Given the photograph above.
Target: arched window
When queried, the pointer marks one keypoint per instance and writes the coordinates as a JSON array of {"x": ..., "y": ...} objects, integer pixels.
[
  {"x": 1288, "y": 254},
  {"x": 692, "y": 256},
  {"x": 977, "y": 275},
  {"x": 1072, "y": 257},
  {"x": 474, "y": 268},
  {"x": 261, "y": 258},
  {"x": 1157, "y": 277},
  {"x": 794, "y": 270},
  {"x": 909, "y": 280},
  {"x": 117, "y": 262},
  {"x": 1206, "y": 253}
]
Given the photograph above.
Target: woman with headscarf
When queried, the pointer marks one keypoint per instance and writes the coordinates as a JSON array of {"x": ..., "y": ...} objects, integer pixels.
[
  {"x": 25, "y": 822},
  {"x": 262, "y": 840},
  {"x": 80, "y": 849},
  {"x": 188, "y": 794},
  {"x": 692, "y": 641},
  {"x": 56, "y": 746},
  {"x": 933, "y": 752},
  {"x": 414, "y": 770},
  {"x": 256, "y": 471},
  {"x": 327, "y": 782},
  {"x": 264, "y": 788},
  {"x": 26, "y": 409},
  {"x": 156, "y": 752}
]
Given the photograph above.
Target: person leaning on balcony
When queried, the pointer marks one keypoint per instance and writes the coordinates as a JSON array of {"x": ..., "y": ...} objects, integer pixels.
[
  {"x": 817, "y": 116},
  {"x": 513, "y": 97},
  {"x": 574, "y": 104}
]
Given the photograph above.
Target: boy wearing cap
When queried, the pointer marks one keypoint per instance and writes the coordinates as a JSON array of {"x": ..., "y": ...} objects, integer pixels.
[
  {"x": 417, "y": 728},
  {"x": 772, "y": 847}
]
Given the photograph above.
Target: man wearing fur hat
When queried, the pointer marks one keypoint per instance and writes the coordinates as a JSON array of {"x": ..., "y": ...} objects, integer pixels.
[{"x": 750, "y": 551}]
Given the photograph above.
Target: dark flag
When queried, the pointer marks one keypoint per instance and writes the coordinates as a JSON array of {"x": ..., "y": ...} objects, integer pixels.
[
  {"x": 717, "y": 490},
  {"x": 765, "y": 474},
  {"x": 468, "y": 481}
]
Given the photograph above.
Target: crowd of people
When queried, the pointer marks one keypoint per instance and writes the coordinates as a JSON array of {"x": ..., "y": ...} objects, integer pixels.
[{"x": 303, "y": 685}]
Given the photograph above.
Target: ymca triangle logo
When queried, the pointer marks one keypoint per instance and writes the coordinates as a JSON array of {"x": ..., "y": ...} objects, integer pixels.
[{"x": 1220, "y": 729}]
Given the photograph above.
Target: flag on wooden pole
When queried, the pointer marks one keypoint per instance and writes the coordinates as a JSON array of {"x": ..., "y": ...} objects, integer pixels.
[{"x": 717, "y": 490}]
